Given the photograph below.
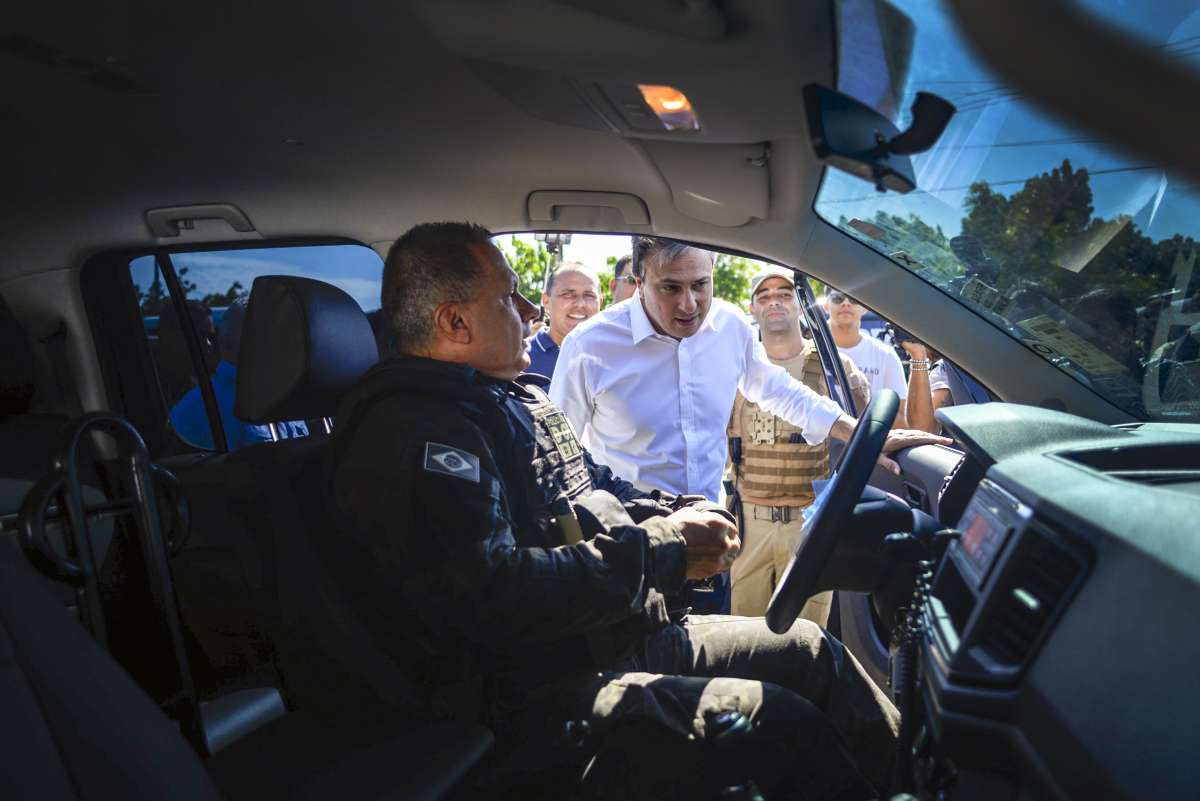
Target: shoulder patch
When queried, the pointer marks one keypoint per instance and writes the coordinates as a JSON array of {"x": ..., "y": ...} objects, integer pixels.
[{"x": 451, "y": 462}]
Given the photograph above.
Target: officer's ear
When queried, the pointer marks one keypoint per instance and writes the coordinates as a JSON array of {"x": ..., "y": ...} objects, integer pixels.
[{"x": 451, "y": 322}]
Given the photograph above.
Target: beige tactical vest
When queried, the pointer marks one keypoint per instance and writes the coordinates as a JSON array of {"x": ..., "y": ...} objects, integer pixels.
[{"x": 776, "y": 471}]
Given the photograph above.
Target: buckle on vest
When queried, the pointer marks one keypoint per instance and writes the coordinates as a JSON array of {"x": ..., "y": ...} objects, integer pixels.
[{"x": 777, "y": 514}]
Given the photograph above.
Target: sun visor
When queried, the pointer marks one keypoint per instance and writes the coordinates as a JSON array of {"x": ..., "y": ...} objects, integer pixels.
[{"x": 725, "y": 185}]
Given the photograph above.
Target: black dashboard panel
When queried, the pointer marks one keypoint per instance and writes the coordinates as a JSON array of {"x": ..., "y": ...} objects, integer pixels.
[{"x": 1061, "y": 640}]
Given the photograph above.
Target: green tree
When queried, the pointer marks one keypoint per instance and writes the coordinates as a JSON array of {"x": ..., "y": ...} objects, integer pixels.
[
  {"x": 235, "y": 291},
  {"x": 187, "y": 285},
  {"x": 151, "y": 301},
  {"x": 605, "y": 276},
  {"x": 1038, "y": 232},
  {"x": 731, "y": 279},
  {"x": 529, "y": 262}
]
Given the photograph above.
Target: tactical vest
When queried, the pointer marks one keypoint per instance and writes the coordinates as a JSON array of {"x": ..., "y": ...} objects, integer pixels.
[
  {"x": 778, "y": 466},
  {"x": 558, "y": 462}
]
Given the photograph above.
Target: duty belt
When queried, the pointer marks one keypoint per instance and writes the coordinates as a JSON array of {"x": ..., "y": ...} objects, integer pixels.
[{"x": 776, "y": 514}]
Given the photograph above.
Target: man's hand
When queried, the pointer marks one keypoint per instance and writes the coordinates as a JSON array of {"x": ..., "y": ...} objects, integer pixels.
[
  {"x": 914, "y": 349},
  {"x": 898, "y": 439},
  {"x": 901, "y": 438},
  {"x": 712, "y": 541}
]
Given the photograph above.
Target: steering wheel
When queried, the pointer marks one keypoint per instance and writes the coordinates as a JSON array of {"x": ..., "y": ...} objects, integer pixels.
[{"x": 799, "y": 580}]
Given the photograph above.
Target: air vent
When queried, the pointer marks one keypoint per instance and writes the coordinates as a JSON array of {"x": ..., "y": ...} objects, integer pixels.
[{"x": 1029, "y": 595}]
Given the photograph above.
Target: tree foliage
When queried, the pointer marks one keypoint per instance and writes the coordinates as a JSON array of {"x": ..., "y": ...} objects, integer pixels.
[
  {"x": 529, "y": 262},
  {"x": 155, "y": 297},
  {"x": 731, "y": 279},
  {"x": 235, "y": 291},
  {"x": 1045, "y": 233}
]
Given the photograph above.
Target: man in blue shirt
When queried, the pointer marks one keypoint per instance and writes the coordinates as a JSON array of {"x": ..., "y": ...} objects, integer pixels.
[
  {"x": 189, "y": 417},
  {"x": 572, "y": 295}
]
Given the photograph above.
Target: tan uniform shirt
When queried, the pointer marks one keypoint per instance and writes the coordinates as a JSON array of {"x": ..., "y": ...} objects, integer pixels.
[{"x": 775, "y": 470}]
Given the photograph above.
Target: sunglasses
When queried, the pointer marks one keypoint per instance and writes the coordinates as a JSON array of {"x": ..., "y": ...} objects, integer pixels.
[
  {"x": 837, "y": 298},
  {"x": 628, "y": 279}
]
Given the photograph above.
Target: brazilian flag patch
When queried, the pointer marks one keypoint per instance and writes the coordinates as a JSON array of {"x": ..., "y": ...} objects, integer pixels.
[{"x": 451, "y": 462}]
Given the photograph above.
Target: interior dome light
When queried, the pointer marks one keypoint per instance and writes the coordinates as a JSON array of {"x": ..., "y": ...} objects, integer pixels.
[{"x": 671, "y": 106}]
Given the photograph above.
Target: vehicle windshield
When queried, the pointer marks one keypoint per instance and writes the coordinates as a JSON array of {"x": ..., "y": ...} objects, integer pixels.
[{"x": 1086, "y": 255}]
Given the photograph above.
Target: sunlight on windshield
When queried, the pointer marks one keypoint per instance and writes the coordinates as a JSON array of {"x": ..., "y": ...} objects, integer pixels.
[{"x": 1084, "y": 254}]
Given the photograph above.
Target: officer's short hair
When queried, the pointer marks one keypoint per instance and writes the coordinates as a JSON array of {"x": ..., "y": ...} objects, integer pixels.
[
  {"x": 571, "y": 267},
  {"x": 656, "y": 251},
  {"x": 431, "y": 264}
]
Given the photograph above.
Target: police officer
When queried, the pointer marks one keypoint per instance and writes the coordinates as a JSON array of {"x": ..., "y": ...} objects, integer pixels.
[
  {"x": 518, "y": 580},
  {"x": 776, "y": 468}
]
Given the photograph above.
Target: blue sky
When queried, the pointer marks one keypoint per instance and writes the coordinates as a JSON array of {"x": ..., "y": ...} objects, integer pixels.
[
  {"x": 353, "y": 268},
  {"x": 1030, "y": 142}
]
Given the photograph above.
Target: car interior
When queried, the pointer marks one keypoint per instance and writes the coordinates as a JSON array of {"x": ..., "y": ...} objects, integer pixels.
[{"x": 196, "y": 205}]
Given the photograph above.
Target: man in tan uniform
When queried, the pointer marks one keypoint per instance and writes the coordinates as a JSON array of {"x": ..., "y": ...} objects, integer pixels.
[{"x": 774, "y": 477}]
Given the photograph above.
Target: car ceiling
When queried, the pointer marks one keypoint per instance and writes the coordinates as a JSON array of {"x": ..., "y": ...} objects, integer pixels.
[{"x": 361, "y": 119}]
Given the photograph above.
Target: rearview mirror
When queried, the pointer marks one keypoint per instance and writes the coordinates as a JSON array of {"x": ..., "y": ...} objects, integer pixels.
[{"x": 855, "y": 138}]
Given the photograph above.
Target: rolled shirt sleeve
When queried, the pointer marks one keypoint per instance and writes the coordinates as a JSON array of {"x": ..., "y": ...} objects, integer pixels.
[{"x": 775, "y": 391}]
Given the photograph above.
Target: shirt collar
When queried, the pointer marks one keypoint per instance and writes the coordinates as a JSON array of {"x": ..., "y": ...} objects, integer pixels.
[
  {"x": 641, "y": 327},
  {"x": 639, "y": 324},
  {"x": 545, "y": 341}
]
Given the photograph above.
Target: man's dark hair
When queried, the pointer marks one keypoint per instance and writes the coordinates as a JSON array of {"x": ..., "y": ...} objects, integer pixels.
[
  {"x": 657, "y": 251},
  {"x": 621, "y": 265},
  {"x": 431, "y": 264}
]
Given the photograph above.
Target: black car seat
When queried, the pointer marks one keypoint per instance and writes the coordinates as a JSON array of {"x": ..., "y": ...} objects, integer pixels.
[
  {"x": 76, "y": 727},
  {"x": 304, "y": 345}
]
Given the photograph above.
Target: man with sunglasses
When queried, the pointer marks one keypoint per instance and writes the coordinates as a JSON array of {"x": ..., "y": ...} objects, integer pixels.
[
  {"x": 623, "y": 284},
  {"x": 878, "y": 362}
]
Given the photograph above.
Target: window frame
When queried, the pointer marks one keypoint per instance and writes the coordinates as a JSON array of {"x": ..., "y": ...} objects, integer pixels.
[{"x": 131, "y": 384}]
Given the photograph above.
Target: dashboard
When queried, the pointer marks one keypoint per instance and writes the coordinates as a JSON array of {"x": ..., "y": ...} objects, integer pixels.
[{"x": 1060, "y": 650}]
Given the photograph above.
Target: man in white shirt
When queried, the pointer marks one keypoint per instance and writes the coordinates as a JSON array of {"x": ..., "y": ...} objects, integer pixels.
[
  {"x": 877, "y": 360},
  {"x": 650, "y": 384}
]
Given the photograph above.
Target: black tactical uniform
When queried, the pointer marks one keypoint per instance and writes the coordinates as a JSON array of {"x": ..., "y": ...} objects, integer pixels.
[{"x": 457, "y": 491}]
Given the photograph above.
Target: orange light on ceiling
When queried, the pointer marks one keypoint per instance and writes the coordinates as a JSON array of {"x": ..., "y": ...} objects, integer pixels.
[{"x": 671, "y": 106}]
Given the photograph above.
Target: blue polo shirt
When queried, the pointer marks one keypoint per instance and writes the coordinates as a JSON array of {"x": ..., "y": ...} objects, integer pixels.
[{"x": 543, "y": 353}]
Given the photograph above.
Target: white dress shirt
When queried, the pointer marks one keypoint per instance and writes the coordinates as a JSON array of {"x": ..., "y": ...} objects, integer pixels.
[{"x": 655, "y": 409}]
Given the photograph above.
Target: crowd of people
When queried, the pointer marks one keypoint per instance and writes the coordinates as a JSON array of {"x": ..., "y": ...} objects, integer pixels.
[{"x": 646, "y": 381}]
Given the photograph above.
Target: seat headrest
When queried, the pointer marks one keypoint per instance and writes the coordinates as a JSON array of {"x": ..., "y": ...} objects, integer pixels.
[
  {"x": 18, "y": 371},
  {"x": 304, "y": 344}
]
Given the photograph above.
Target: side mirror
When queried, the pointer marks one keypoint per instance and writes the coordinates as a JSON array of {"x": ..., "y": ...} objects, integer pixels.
[{"x": 853, "y": 137}]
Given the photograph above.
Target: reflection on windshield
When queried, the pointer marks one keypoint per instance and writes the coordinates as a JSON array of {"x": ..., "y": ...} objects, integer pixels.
[{"x": 1086, "y": 257}]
